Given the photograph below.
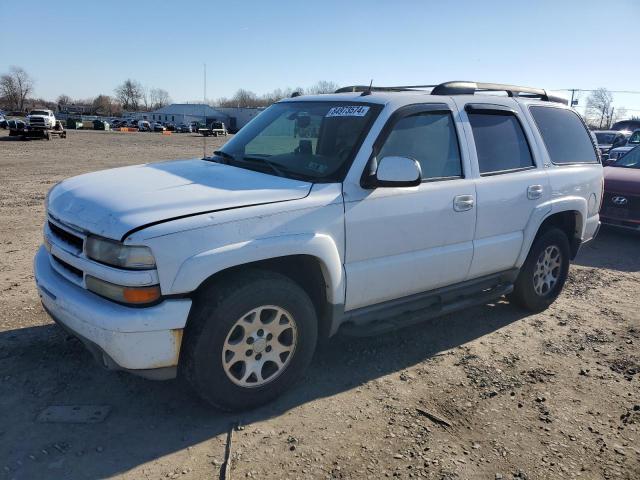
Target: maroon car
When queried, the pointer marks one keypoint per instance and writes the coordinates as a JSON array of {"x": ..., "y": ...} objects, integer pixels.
[{"x": 621, "y": 201}]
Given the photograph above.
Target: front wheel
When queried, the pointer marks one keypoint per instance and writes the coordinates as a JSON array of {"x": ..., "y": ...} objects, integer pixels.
[
  {"x": 544, "y": 272},
  {"x": 248, "y": 340}
]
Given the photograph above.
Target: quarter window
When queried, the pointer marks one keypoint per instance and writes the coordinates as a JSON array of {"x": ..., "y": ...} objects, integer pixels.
[
  {"x": 500, "y": 142},
  {"x": 564, "y": 135},
  {"x": 430, "y": 138}
]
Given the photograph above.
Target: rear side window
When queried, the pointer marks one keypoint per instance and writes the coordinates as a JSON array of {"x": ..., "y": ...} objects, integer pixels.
[
  {"x": 564, "y": 135},
  {"x": 500, "y": 142},
  {"x": 430, "y": 138}
]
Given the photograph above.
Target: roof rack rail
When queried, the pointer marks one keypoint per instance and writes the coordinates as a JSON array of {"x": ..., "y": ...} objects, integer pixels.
[
  {"x": 470, "y": 88},
  {"x": 464, "y": 88},
  {"x": 367, "y": 88}
]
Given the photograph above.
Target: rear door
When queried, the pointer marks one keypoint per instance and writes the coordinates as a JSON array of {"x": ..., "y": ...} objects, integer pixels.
[{"x": 510, "y": 184}]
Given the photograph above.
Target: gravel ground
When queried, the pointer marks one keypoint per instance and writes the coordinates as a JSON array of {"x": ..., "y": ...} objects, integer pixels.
[{"x": 489, "y": 393}]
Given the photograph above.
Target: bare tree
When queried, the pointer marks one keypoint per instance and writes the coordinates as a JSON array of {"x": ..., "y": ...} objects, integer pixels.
[
  {"x": 159, "y": 98},
  {"x": 64, "y": 100},
  {"x": 15, "y": 86},
  {"x": 130, "y": 94},
  {"x": 323, "y": 86},
  {"x": 599, "y": 109},
  {"x": 102, "y": 105}
]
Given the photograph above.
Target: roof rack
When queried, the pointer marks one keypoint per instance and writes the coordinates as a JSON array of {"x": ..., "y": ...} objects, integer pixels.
[
  {"x": 464, "y": 88},
  {"x": 367, "y": 88}
]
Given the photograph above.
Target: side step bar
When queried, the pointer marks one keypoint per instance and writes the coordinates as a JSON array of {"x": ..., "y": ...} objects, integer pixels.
[{"x": 370, "y": 321}]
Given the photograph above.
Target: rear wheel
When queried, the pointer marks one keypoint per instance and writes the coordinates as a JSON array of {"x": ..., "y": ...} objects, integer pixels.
[
  {"x": 544, "y": 272},
  {"x": 249, "y": 340}
]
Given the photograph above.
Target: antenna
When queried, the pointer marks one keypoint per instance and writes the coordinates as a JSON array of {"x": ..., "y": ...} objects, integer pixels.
[
  {"x": 204, "y": 111},
  {"x": 367, "y": 92}
]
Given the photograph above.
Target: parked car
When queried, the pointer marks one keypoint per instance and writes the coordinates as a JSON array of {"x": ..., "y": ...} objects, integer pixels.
[
  {"x": 393, "y": 207},
  {"x": 158, "y": 127},
  {"x": 184, "y": 128},
  {"x": 16, "y": 127},
  {"x": 170, "y": 127},
  {"x": 632, "y": 141},
  {"x": 608, "y": 139},
  {"x": 626, "y": 125},
  {"x": 144, "y": 126},
  {"x": 621, "y": 201},
  {"x": 100, "y": 125},
  {"x": 4, "y": 123}
]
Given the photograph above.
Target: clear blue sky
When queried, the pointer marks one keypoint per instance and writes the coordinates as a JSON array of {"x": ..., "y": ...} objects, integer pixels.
[{"x": 262, "y": 45}]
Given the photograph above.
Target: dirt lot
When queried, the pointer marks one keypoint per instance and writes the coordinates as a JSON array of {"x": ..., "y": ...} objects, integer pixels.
[{"x": 547, "y": 396}]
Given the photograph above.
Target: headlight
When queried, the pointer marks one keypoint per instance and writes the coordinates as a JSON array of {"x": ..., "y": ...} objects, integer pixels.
[
  {"x": 130, "y": 295},
  {"x": 119, "y": 255}
]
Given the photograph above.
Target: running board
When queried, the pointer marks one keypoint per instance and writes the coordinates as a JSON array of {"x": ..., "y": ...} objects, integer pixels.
[{"x": 366, "y": 323}]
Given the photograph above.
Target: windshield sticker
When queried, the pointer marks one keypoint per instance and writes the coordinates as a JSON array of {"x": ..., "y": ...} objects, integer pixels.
[{"x": 351, "y": 111}]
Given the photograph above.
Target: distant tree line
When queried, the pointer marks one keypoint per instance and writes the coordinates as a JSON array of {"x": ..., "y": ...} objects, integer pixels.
[
  {"x": 246, "y": 98},
  {"x": 16, "y": 88}
]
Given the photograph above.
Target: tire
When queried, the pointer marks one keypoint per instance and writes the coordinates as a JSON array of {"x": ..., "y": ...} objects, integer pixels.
[
  {"x": 548, "y": 255},
  {"x": 225, "y": 316}
]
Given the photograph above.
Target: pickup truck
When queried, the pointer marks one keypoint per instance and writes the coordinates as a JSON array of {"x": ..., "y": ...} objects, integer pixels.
[
  {"x": 214, "y": 129},
  {"x": 361, "y": 211},
  {"x": 41, "y": 119}
]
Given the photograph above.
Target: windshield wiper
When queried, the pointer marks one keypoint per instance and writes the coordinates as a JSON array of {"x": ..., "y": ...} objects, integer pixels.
[{"x": 277, "y": 170}]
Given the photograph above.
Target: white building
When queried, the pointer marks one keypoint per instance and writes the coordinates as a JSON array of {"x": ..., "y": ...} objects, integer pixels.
[{"x": 177, "y": 113}]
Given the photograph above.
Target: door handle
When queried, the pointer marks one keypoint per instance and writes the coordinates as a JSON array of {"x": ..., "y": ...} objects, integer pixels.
[
  {"x": 534, "y": 192},
  {"x": 462, "y": 203}
]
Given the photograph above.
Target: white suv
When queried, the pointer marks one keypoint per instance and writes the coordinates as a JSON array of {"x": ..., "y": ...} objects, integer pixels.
[{"x": 363, "y": 210}]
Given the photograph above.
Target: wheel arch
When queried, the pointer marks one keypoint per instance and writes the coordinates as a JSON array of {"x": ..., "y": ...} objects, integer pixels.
[
  {"x": 568, "y": 217},
  {"x": 312, "y": 261}
]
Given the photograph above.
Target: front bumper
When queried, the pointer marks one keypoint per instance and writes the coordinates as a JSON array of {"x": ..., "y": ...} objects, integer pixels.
[{"x": 145, "y": 341}]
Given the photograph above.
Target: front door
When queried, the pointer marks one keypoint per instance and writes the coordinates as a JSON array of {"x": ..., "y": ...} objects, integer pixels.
[{"x": 402, "y": 241}]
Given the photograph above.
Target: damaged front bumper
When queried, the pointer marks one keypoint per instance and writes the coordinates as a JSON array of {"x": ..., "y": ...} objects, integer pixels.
[{"x": 145, "y": 341}]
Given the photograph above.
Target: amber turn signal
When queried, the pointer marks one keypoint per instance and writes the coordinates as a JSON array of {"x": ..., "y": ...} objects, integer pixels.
[{"x": 122, "y": 294}]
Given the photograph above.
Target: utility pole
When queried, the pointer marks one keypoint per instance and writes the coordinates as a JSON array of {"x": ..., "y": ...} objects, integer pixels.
[
  {"x": 573, "y": 92},
  {"x": 204, "y": 112}
]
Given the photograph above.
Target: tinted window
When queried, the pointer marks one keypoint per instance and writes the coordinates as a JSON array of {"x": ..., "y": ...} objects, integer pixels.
[
  {"x": 634, "y": 139},
  {"x": 430, "y": 138},
  {"x": 564, "y": 135},
  {"x": 500, "y": 142}
]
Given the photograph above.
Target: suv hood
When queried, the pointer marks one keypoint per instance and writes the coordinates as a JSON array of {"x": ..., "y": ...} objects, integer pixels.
[{"x": 113, "y": 202}]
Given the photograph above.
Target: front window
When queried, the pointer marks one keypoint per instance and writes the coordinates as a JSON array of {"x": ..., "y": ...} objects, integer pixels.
[
  {"x": 630, "y": 160},
  {"x": 39, "y": 112},
  {"x": 313, "y": 141}
]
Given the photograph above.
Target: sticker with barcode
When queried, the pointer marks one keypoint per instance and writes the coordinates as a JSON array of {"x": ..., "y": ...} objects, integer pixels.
[{"x": 349, "y": 111}]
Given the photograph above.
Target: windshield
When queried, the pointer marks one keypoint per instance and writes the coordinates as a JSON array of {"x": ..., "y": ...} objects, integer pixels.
[
  {"x": 630, "y": 160},
  {"x": 314, "y": 141},
  {"x": 39, "y": 112},
  {"x": 605, "y": 138}
]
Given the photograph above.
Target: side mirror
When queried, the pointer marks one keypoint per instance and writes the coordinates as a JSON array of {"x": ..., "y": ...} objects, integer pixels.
[
  {"x": 397, "y": 172},
  {"x": 609, "y": 161}
]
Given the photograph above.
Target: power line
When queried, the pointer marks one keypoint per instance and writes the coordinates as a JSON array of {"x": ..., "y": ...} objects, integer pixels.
[{"x": 633, "y": 92}]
